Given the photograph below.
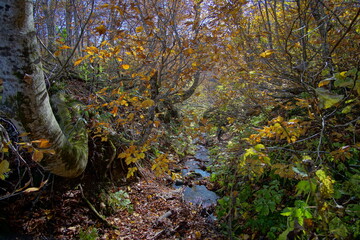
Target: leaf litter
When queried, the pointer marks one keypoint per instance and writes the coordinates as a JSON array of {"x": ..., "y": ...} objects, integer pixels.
[{"x": 158, "y": 212}]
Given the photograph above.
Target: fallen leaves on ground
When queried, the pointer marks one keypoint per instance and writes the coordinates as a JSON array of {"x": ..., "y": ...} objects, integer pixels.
[{"x": 158, "y": 213}]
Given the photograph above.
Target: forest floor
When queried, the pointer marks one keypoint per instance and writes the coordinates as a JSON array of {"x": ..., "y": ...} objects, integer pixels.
[{"x": 159, "y": 212}]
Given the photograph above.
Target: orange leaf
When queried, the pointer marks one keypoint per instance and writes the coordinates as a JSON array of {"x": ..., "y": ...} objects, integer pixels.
[
  {"x": 139, "y": 29},
  {"x": 114, "y": 111}
]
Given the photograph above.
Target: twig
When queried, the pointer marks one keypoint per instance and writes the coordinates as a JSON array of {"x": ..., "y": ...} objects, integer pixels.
[
  {"x": 347, "y": 124},
  {"x": 162, "y": 217},
  {"x": 6, "y": 139},
  {"x": 346, "y": 32}
]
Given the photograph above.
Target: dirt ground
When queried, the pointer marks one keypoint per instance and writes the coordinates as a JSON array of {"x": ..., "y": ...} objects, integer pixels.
[{"x": 158, "y": 212}]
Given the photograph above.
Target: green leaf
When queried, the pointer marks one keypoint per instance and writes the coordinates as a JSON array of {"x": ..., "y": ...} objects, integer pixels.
[
  {"x": 347, "y": 82},
  {"x": 259, "y": 147},
  {"x": 283, "y": 236},
  {"x": 346, "y": 109},
  {"x": 338, "y": 228},
  {"x": 300, "y": 172},
  {"x": 357, "y": 86},
  {"x": 305, "y": 187},
  {"x": 286, "y": 212},
  {"x": 250, "y": 152},
  {"x": 326, "y": 98}
]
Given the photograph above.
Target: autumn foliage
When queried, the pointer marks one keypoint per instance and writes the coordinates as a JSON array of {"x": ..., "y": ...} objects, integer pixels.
[{"x": 272, "y": 87}]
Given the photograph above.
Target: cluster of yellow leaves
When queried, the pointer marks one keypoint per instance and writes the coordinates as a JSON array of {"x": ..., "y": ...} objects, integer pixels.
[
  {"x": 326, "y": 184},
  {"x": 133, "y": 154},
  {"x": 279, "y": 129},
  {"x": 126, "y": 108},
  {"x": 38, "y": 148},
  {"x": 131, "y": 172},
  {"x": 161, "y": 165},
  {"x": 101, "y": 129},
  {"x": 104, "y": 52},
  {"x": 254, "y": 161}
]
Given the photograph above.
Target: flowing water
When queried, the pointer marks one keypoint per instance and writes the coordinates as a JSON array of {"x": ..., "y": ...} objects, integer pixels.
[{"x": 198, "y": 194}]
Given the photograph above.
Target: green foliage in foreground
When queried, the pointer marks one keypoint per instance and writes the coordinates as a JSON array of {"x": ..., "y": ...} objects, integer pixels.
[
  {"x": 294, "y": 176},
  {"x": 89, "y": 234}
]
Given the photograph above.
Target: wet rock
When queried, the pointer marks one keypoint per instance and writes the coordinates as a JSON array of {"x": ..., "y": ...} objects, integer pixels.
[
  {"x": 193, "y": 175},
  {"x": 179, "y": 182}
]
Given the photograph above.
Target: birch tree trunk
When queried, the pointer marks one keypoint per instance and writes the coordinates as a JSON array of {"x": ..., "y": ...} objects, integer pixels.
[{"x": 25, "y": 99}]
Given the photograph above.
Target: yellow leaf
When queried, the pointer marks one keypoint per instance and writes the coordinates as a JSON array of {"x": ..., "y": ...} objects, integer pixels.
[
  {"x": 139, "y": 29},
  {"x": 4, "y": 168},
  {"x": 231, "y": 120},
  {"x": 327, "y": 99},
  {"x": 324, "y": 82},
  {"x": 131, "y": 116},
  {"x": 130, "y": 160},
  {"x": 131, "y": 172},
  {"x": 122, "y": 155},
  {"x": 77, "y": 62},
  {"x": 125, "y": 66},
  {"x": 343, "y": 74},
  {"x": 5, "y": 149},
  {"x": 267, "y": 53},
  {"x": 147, "y": 103},
  {"x": 43, "y": 143},
  {"x": 103, "y": 43},
  {"x": 37, "y": 155},
  {"x": 124, "y": 103},
  {"x": 32, "y": 189},
  {"x": 64, "y": 47},
  {"x": 92, "y": 48},
  {"x": 189, "y": 51}
]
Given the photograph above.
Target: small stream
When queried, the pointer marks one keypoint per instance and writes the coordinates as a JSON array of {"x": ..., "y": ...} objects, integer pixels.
[{"x": 193, "y": 172}]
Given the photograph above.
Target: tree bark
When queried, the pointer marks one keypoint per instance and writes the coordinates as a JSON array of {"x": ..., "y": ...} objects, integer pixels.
[
  {"x": 25, "y": 99},
  {"x": 49, "y": 12}
]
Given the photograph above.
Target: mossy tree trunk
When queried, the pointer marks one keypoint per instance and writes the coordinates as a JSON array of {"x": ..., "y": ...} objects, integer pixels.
[{"x": 25, "y": 99}]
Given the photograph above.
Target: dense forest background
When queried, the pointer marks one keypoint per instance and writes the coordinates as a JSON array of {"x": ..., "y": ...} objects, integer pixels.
[{"x": 271, "y": 87}]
